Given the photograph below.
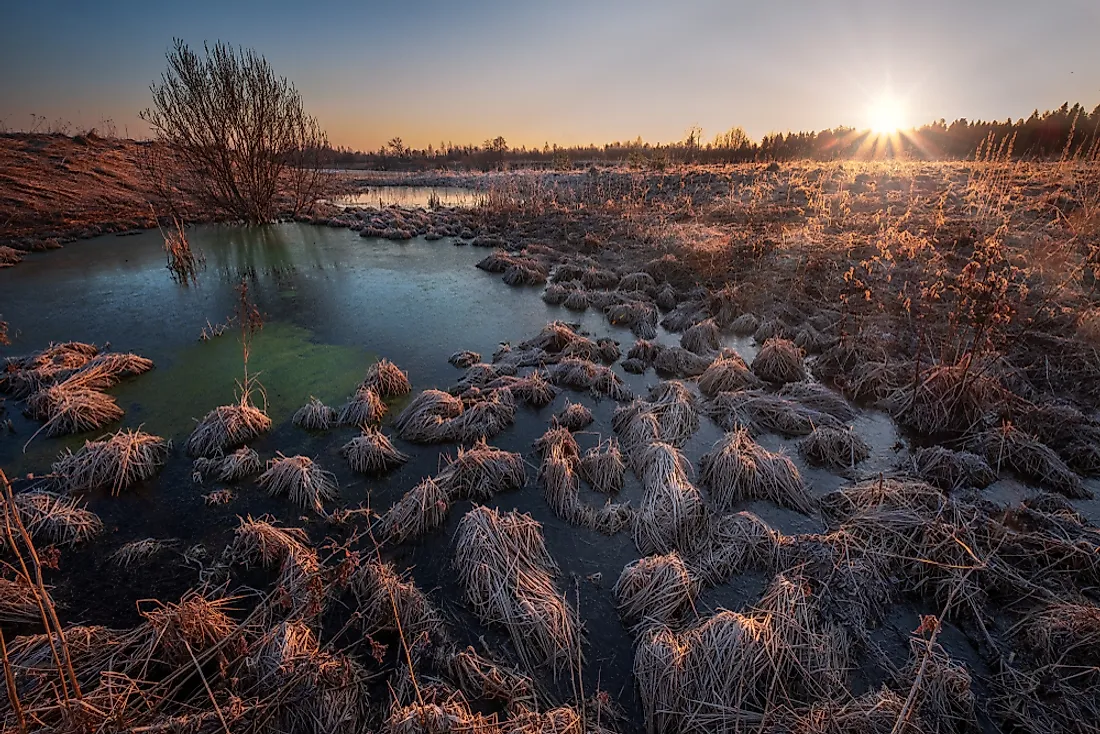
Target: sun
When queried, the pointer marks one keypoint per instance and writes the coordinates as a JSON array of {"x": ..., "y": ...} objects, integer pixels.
[{"x": 886, "y": 114}]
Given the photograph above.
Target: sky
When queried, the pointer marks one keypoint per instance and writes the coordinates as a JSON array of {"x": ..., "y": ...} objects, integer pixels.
[{"x": 569, "y": 71}]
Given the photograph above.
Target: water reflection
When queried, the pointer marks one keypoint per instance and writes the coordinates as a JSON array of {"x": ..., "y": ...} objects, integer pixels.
[{"x": 410, "y": 197}]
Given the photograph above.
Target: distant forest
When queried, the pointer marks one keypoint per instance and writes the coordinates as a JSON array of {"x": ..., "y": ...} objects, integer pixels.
[{"x": 1067, "y": 132}]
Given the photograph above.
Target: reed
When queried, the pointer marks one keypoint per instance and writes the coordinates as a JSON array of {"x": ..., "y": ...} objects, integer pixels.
[
  {"x": 779, "y": 361},
  {"x": 372, "y": 452},
  {"x": 574, "y": 417},
  {"x": 387, "y": 380},
  {"x": 482, "y": 471},
  {"x": 655, "y": 590},
  {"x": 738, "y": 469},
  {"x": 116, "y": 462},
  {"x": 421, "y": 510},
  {"x": 227, "y": 427},
  {"x": 603, "y": 468},
  {"x": 315, "y": 416},
  {"x": 300, "y": 478},
  {"x": 836, "y": 448},
  {"x": 241, "y": 464},
  {"x": 364, "y": 408}
]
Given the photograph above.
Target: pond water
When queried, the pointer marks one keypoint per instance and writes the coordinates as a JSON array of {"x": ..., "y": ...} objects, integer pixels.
[
  {"x": 410, "y": 197},
  {"x": 333, "y": 303}
]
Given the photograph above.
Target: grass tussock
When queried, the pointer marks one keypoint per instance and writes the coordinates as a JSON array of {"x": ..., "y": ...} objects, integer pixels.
[
  {"x": 141, "y": 551},
  {"x": 67, "y": 410},
  {"x": 421, "y": 510},
  {"x": 671, "y": 515},
  {"x": 760, "y": 412},
  {"x": 655, "y": 590},
  {"x": 243, "y": 463},
  {"x": 679, "y": 362},
  {"x": 728, "y": 373},
  {"x": 702, "y": 338},
  {"x": 115, "y": 462},
  {"x": 364, "y": 408},
  {"x": 574, "y": 417},
  {"x": 835, "y": 448},
  {"x": 508, "y": 578},
  {"x": 779, "y": 361},
  {"x": 534, "y": 390},
  {"x": 950, "y": 470},
  {"x": 603, "y": 468},
  {"x": 18, "y": 601},
  {"x": 391, "y": 602},
  {"x": 946, "y": 399},
  {"x": 54, "y": 519},
  {"x": 464, "y": 359},
  {"x": 581, "y": 374},
  {"x": 227, "y": 427},
  {"x": 387, "y": 379},
  {"x": 738, "y": 469},
  {"x": 301, "y": 479},
  {"x": 424, "y": 419},
  {"x": 816, "y": 396},
  {"x": 315, "y": 416},
  {"x": 638, "y": 316},
  {"x": 1008, "y": 448},
  {"x": 372, "y": 452},
  {"x": 482, "y": 471}
]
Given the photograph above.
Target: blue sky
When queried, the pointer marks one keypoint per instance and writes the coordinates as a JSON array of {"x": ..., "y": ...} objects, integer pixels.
[{"x": 569, "y": 71}]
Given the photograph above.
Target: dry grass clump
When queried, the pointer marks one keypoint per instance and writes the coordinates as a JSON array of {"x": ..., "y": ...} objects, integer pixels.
[
  {"x": 950, "y": 470},
  {"x": 387, "y": 379},
  {"x": 779, "y": 361},
  {"x": 299, "y": 587},
  {"x": 738, "y": 469},
  {"x": 637, "y": 282},
  {"x": 25, "y": 375},
  {"x": 638, "y": 316},
  {"x": 744, "y": 325},
  {"x": 684, "y": 316},
  {"x": 655, "y": 590},
  {"x": 480, "y": 375},
  {"x": 219, "y": 497},
  {"x": 305, "y": 688},
  {"x": 561, "y": 486},
  {"x": 371, "y": 452},
  {"x": 419, "y": 511},
  {"x": 485, "y": 418},
  {"x": 115, "y": 461},
  {"x": 524, "y": 273},
  {"x": 54, "y": 519},
  {"x": 581, "y": 374},
  {"x": 736, "y": 668},
  {"x": 315, "y": 416},
  {"x": 423, "y": 419},
  {"x": 603, "y": 468},
  {"x": 608, "y": 350},
  {"x": 300, "y": 478},
  {"x": 108, "y": 369},
  {"x": 227, "y": 427},
  {"x": 534, "y": 390},
  {"x": 555, "y": 293},
  {"x": 817, "y": 397},
  {"x": 634, "y": 366},
  {"x": 508, "y": 577},
  {"x": 672, "y": 514},
  {"x": 18, "y": 601},
  {"x": 944, "y": 699},
  {"x": 482, "y": 471},
  {"x": 140, "y": 551},
  {"x": 1010, "y": 448},
  {"x": 464, "y": 359},
  {"x": 440, "y": 715},
  {"x": 758, "y": 412},
  {"x": 480, "y": 677},
  {"x": 557, "y": 337},
  {"x": 577, "y": 300},
  {"x": 679, "y": 362},
  {"x": 1065, "y": 634},
  {"x": 243, "y": 463},
  {"x": 644, "y": 350},
  {"x": 837, "y": 448},
  {"x": 558, "y": 438},
  {"x": 363, "y": 409},
  {"x": 726, "y": 374},
  {"x": 946, "y": 398},
  {"x": 67, "y": 409},
  {"x": 175, "y": 632},
  {"x": 574, "y": 416},
  {"x": 390, "y": 602},
  {"x": 702, "y": 338}
]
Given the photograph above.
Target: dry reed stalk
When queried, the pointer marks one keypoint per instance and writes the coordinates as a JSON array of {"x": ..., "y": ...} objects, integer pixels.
[
  {"x": 738, "y": 469},
  {"x": 655, "y": 590},
  {"x": 728, "y": 373},
  {"x": 603, "y": 468},
  {"x": 758, "y": 411},
  {"x": 702, "y": 338},
  {"x": 816, "y": 396},
  {"x": 1065, "y": 634},
  {"x": 950, "y": 470},
  {"x": 258, "y": 542},
  {"x": 315, "y": 416},
  {"x": 423, "y": 419},
  {"x": 92, "y": 651},
  {"x": 482, "y": 471},
  {"x": 55, "y": 519},
  {"x": 508, "y": 577},
  {"x": 115, "y": 461},
  {"x": 941, "y": 697},
  {"x": 1010, "y": 448},
  {"x": 68, "y": 410},
  {"x": 387, "y": 380},
  {"x": 837, "y": 448},
  {"x": 464, "y": 359},
  {"x": 779, "y": 361},
  {"x": 421, "y": 510},
  {"x": 174, "y": 632},
  {"x": 300, "y": 478},
  {"x": 371, "y": 452},
  {"x": 574, "y": 417},
  {"x": 227, "y": 427},
  {"x": 139, "y": 551},
  {"x": 362, "y": 409},
  {"x": 241, "y": 464}
]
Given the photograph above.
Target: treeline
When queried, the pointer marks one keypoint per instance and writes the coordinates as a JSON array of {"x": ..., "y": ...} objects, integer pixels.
[{"x": 1069, "y": 131}]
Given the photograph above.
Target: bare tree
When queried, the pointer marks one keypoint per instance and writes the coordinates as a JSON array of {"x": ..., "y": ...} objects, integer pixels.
[{"x": 239, "y": 133}]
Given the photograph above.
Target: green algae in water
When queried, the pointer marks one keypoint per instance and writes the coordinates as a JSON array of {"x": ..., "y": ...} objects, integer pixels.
[{"x": 288, "y": 365}]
